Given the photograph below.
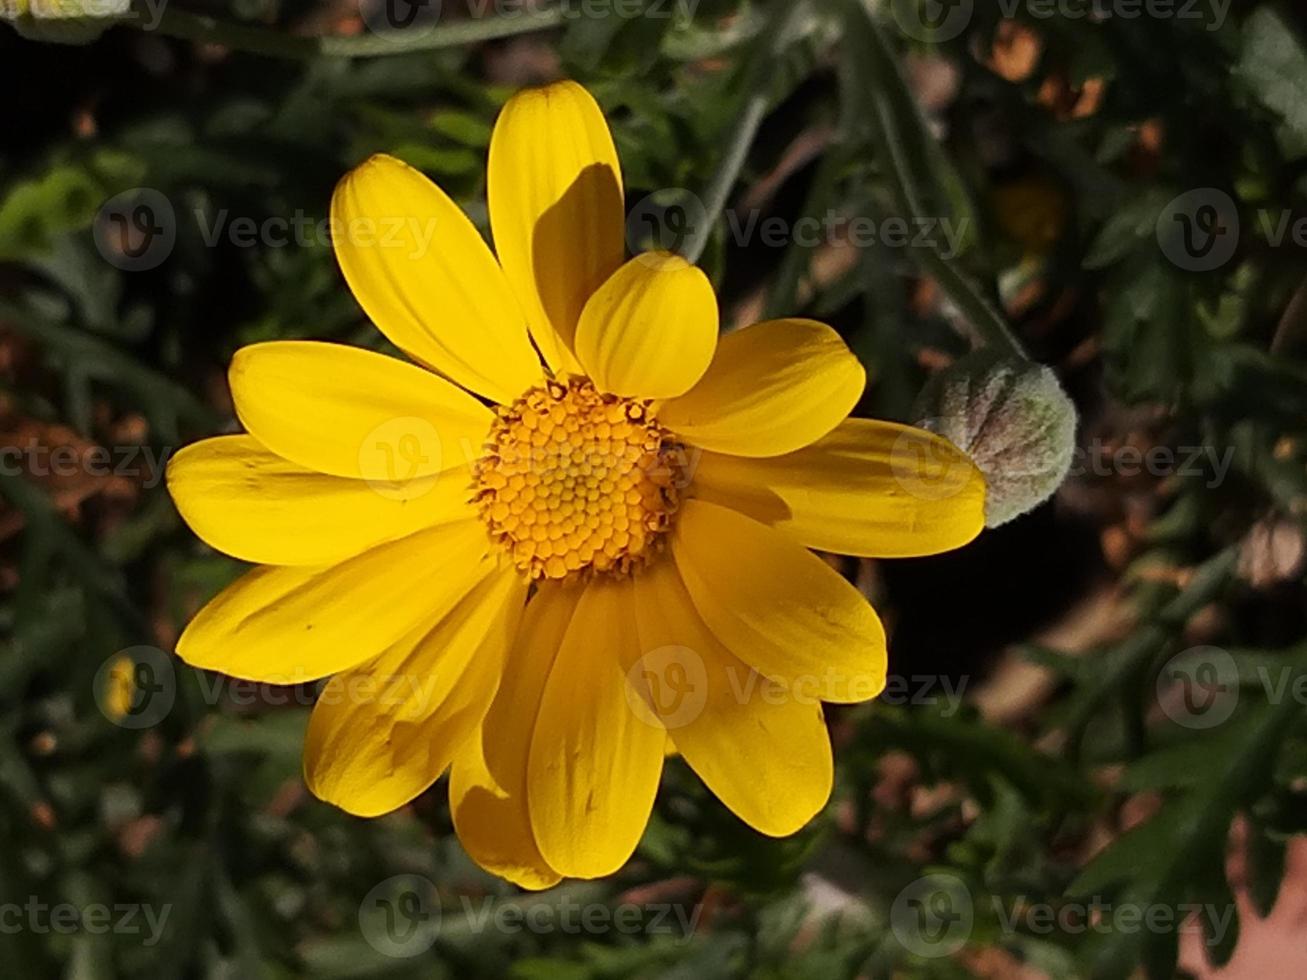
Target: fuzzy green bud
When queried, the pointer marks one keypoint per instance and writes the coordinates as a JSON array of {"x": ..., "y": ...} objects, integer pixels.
[
  {"x": 63, "y": 21},
  {"x": 1015, "y": 422}
]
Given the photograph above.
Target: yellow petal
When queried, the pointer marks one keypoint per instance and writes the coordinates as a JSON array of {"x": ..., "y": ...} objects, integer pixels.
[
  {"x": 772, "y": 388},
  {"x": 650, "y": 329},
  {"x": 292, "y": 624},
  {"x": 248, "y": 502},
  {"x": 512, "y": 716},
  {"x": 487, "y": 784},
  {"x": 383, "y": 732},
  {"x": 492, "y": 823},
  {"x": 872, "y": 489},
  {"x": 427, "y": 279},
  {"x": 761, "y": 748},
  {"x": 351, "y": 412},
  {"x": 555, "y": 197},
  {"x": 779, "y": 607},
  {"x": 595, "y": 762}
]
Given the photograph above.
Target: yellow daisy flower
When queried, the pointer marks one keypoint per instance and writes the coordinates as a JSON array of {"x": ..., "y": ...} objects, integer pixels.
[{"x": 546, "y": 596}]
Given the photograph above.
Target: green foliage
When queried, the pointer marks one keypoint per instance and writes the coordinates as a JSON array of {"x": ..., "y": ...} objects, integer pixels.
[{"x": 203, "y": 812}]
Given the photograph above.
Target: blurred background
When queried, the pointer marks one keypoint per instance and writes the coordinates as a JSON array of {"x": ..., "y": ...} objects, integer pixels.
[{"x": 1091, "y": 758}]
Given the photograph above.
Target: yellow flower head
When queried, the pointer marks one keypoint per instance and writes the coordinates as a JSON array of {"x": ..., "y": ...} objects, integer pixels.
[{"x": 546, "y": 595}]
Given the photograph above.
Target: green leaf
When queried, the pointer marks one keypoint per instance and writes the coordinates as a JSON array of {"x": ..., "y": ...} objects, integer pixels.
[
  {"x": 33, "y": 212},
  {"x": 1273, "y": 63}
]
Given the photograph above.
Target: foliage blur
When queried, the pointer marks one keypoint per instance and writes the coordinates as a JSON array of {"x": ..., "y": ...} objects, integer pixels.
[{"x": 1058, "y": 145}]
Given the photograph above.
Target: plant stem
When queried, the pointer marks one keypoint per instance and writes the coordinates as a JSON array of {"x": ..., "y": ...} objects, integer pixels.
[
  {"x": 750, "y": 118},
  {"x": 273, "y": 43},
  {"x": 907, "y": 150},
  {"x": 1208, "y": 581}
]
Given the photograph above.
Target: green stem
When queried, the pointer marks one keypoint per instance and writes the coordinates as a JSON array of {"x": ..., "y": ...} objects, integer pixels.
[
  {"x": 1209, "y": 580},
  {"x": 782, "y": 298},
  {"x": 264, "y": 41},
  {"x": 891, "y": 117},
  {"x": 750, "y": 117}
]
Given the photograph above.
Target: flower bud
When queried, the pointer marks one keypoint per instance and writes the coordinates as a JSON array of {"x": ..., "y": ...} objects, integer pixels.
[
  {"x": 1015, "y": 422},
  {"x": 63, "y": 21}
]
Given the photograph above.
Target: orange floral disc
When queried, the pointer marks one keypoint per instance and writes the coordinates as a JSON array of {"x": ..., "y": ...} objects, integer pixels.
[{"x": 575, "y": 480}]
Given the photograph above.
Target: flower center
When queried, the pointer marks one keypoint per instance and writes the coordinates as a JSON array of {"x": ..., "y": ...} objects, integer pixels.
[{"x": 574, "y": 480}]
